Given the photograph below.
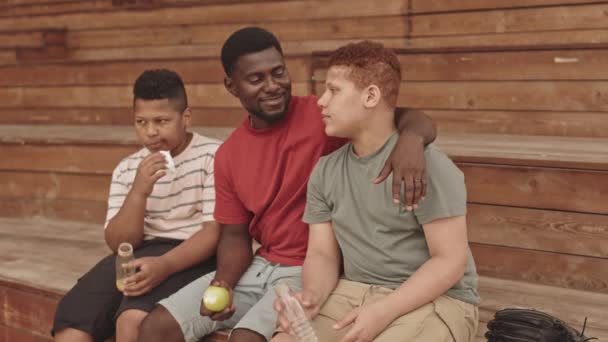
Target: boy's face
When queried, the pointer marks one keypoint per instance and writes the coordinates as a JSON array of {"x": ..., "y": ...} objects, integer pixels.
[
  {"x": 341, "y": 104},
  {"x": 160, "y": 126},
  {"x": 261, "y": 82}
]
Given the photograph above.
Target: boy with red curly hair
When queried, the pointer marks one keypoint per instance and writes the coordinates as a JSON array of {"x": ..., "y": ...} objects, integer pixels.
[{"x": 407, "y": 276}]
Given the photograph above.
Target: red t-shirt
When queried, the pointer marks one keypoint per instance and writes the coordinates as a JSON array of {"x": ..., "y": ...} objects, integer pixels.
[{"x": 261, "y": 177}]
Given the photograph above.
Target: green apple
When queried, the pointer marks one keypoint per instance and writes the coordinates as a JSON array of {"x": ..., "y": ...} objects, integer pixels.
[{"x": 216, "y": 298}]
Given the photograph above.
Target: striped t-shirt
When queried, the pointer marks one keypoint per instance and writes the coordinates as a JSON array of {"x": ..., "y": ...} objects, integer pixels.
[{"x": 181, "y": 200}]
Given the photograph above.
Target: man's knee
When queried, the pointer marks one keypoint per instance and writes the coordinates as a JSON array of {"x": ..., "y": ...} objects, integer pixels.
[
  {"x": 246, "y": 335},
  {"x": 160, "y": 325}
]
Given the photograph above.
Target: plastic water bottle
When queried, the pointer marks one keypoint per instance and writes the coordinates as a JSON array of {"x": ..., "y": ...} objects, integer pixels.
[
  {"x": 296, "y": 315},
  {"x": 123, "y": 257}
]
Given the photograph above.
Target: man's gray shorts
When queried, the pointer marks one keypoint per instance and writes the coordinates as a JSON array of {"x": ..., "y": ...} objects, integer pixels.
[{"x": 253, "y": 299}]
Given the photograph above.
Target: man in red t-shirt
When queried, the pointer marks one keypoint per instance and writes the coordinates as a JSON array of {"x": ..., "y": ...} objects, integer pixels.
[{"x": 261, "y": 173}]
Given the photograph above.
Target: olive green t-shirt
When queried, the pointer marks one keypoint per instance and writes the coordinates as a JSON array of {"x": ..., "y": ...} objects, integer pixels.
[{"x": 381, "y": 243}]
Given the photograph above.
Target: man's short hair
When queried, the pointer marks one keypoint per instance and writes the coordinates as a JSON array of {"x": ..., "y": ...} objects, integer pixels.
[
  {"x": 371, "y": 63},
  {"x": 161, "y": 84},
  {"x": 245, "y": 41}
]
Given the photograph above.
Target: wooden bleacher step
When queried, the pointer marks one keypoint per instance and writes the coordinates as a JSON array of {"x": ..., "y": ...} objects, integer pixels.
[{"x": 32, "y": 283}]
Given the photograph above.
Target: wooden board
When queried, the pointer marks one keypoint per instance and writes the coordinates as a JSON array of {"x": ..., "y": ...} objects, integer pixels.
[
  {"x": 567, "y": 65},
  {"x": 555, "y": 269},
  {"x": 211, "y": 14},
  {"x": 14, "y": 334},
  {"x": 541, "y": 188},
  {"x": 290, "y": 48},
  {"x": 550, "y": 40},
  {"x": 209, "y": 117},
  {"x": 562, "y": 18},
  {"x": 420, "y": 6},
  {"x": 88, "y": 135},
  {"x": 21, "y": 39},
  {"x": 296, "y": 30},
  {"x": 25, "y": 310},
  {"x": 125, "y": 73},
  {"x": 538, "y": 123},
  {"x": 64, "y": 158},
  {"x": 523, "y": 150},
  {"x": 209, "y": 95},
  {"x": 52, "y": 186},
  {"x": 74, "y": 210},
  {"x": 541, "y": 230},
  {"x": 54, "y": 8},
  {"x": 584, "y": 96}
]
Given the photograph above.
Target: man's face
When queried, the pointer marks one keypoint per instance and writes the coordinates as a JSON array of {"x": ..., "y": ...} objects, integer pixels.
[
  {"x": 159, "y": 126},
  {"x": 261, "y": 82},
  {"x": 341, "y": 104}
]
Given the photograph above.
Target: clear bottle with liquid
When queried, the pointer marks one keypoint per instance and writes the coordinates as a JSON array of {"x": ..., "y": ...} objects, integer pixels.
[
  {"x": 123, "y": 271},
  {"x": 295, "y": 314}
]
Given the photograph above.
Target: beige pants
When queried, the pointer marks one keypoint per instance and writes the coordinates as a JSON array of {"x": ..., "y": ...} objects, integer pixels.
[{"x": 444, "y": 319}]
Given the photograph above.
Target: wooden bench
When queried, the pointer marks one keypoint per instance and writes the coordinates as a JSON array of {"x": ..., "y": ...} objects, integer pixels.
[
  {"x": 43, "y": 258},
  {"x": 536, "y": 216}
]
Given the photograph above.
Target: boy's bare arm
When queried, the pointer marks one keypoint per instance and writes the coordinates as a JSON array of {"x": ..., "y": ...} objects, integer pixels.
[
  {"x": 323, "y": 259},
  {"x": 128, "y": 224},
  {"x": 199, "y": 247},
  {"x": 448, "y": 246},
  {"x": 319, "y": 274}
]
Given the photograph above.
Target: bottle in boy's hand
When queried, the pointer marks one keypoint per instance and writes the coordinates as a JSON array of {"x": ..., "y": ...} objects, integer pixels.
[
  {"x": 216, "y": 298},
  {"x": 123, "y": 270},
  {"x": 295, "y": 314}
]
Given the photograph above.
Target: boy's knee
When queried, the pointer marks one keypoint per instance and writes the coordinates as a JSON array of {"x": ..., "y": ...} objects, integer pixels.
[
  {"x": 159, "y": 325},
  {"x": 130, "y": 319}
]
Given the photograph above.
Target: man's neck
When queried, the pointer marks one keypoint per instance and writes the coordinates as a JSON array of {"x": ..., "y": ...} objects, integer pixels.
[{"x": 375, "y": 133}]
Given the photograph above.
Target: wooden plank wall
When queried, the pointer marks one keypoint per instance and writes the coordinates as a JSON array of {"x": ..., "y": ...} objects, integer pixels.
[
  {"x": 84, "y": 76},
  {"x": 536, "y": 67}
]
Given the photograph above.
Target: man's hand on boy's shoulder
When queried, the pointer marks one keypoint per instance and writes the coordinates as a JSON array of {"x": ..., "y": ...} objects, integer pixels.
[
  {"x": 150, "y": 170},
  {"x": 407, "y": 164},
  {"x": 368, "y": 321},
  {"x": 151, "y": 272}
]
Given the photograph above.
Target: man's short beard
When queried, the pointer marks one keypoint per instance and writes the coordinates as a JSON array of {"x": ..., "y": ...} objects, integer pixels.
[{"x": 271, "y": 119}]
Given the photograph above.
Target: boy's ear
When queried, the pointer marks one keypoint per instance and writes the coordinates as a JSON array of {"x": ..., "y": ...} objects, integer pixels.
[
  {"x": 230, "y": 86},
  {"x": 187, "y": 116},
  {"x": 371, "y": 96}
]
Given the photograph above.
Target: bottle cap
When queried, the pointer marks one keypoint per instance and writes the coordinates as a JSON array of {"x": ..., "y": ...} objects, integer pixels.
[{"x": 125, "y": 249}]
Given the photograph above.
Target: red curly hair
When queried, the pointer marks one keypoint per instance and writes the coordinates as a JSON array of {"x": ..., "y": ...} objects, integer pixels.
[{"x": 371, "y": 63}]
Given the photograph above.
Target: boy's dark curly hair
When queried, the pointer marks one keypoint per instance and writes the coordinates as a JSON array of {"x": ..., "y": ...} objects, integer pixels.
[{"x": 161, "y": 84}]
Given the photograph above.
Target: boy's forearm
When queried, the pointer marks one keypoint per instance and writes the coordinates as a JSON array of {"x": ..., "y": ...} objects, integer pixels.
[
  {"x": 411, "y": 121},
  {"x": 199, "y": 247},
  {"x": 433, "y": 279},
  {"x": 128, "y": 224},
  {"x": 234, "y": 255},
  {"x": 320, "y": 274}
]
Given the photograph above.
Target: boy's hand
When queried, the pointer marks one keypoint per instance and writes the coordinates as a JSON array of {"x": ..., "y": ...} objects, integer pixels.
[
  {"x": 368, "y": 322},
  {"x": 310, "y": 301},
  {"x": 151, "y": 169},
  {"x": 152, "y": 272},
  {"x": 407, "y": 163},
  {"x": 224, "y": 314}
]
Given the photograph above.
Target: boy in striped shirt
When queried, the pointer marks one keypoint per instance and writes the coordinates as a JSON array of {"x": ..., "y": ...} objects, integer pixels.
[{"x": 166, "y": 214}]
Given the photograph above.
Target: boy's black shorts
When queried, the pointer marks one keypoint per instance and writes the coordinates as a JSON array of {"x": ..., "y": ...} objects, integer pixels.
[{"x": 94, "y": 303}]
